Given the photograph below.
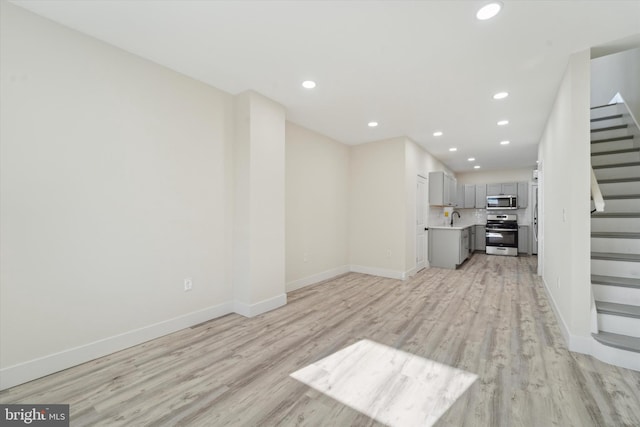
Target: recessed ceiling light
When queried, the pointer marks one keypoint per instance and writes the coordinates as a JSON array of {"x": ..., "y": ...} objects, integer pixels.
[
  {"x": 438, "y": 133},
  {"x": 503, "y": 122},
  {"x": 308, "y": 84},
  {"x": 471, "y": 159},
  {"x": 372, "y": 124},
  {"x": 488, "y": 11},
  {"x": 505, "y": 142},
  {"x": 453, "y": 149},
  {"x": 501, "y": 95},
  {"x": 476, "y": 167}
]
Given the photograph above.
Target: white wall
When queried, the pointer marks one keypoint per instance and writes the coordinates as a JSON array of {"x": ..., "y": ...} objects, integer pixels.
[
  {"x": 564, "y": 155},
  {"x": 417, "y": 162},
  {"x": 115, "y": 186},
  {"x": 378, "y": 207},
  {"x": 617, "y": 73},
  {"x": 259, "y": 238},
  {"x": 317, "y": 207}
]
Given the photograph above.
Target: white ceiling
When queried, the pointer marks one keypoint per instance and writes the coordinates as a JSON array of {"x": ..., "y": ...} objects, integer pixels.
[{"x": 413, "y": 66}]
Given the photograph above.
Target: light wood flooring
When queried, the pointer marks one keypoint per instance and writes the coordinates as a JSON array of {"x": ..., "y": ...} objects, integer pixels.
[{"x": 490, "y": 318}]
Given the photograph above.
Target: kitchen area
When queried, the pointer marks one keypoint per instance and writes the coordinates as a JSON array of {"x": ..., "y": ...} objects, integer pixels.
[{"x": 497, "y": 218}]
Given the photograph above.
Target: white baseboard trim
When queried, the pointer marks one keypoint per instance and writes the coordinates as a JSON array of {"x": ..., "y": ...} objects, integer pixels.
[
  {"x": 391, "y": 274},
  {"x": 251, "y": 310},
  {"x": 588, "y": 345},
  {"x": 319, "y": 277},
  {"x": 615, "y": 356},
  {"x": 563, "y": 326},
  {"x": 42, "y": 366},
  {"x": 410, "y": 273}
]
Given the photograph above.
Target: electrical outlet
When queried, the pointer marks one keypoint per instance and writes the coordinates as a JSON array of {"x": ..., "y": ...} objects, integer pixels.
[{"x": 188, "y": 284}]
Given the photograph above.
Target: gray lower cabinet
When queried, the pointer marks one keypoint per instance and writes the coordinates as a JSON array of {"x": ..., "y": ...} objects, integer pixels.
[
  {"x": 523, "y": 239},
  {"x": 481, "y": 240},
  {"x": 448, "y": 248},
  {"x": 465, "y": 249},
  {"x": 472, "y": 239}
]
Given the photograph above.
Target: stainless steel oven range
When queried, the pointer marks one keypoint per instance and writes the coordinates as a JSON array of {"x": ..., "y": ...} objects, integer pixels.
[{"x": 502, "y": 234}]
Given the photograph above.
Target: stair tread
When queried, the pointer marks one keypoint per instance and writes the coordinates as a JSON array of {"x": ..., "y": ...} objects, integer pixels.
[
  {"x": 605, "y": 105},
  {"x": 616, "y": 215},
  {"x": 600, "y": 119},
  {"x": 615, "y": 235},
  {"x": 615, "y": 256},
  {"x": 617, "y": 180},
  {"x": 623, "y": 342},
  {"x": 618, "y": 138},
  {"x": 626, "y": 282},
  {"x": 616, "y": 127},
  {"x": 616, "y": 309},
  {"x": 623, "y": 151},
  {"x": 616, "y": 165},
  {"x": 621, "y": 196}
]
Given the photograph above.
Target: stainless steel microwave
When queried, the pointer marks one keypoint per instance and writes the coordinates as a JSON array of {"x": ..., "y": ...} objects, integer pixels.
[{"x": 502, "y": 202}]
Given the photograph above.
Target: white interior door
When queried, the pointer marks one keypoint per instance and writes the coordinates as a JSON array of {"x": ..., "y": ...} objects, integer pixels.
[{"x": 421, "y": 215}]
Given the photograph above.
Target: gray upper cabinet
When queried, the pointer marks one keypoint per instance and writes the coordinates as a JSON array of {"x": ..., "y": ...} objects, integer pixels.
[
  {"x": 475, "y": 196},
  {"x": 494, "y": 189},
  {"x": 442, "y": 189},
  {"x": 506, "y": 188},
  {"x": 481, "y": 196},
  {"x": 523, "y": 194},
  {"x": 510, "y": 188},
  {"x": 469, "y": 196},
  {"x": 460, "y": 196},
  {"x": 453, "y": 187}
]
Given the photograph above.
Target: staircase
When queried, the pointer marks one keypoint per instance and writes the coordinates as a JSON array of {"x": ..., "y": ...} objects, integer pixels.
[{"x": 615, "y": 233}]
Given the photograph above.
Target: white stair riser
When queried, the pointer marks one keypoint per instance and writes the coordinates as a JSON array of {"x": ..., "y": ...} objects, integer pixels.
[
  {"x": 604, "y": 111},
  {"x": 631, "y": 225},
  {"x": 609, "y": 244},
  {"x": 621, "y": 205},
  {"x": 617, "y": 188},
  {"x": 619, "y": 172},
  {"x": 616, "y": 294},
  {"x": 606, "y": 123},
  {"x": 604, "y": 267},
  {"x": 614, "y": 133},
  {"x": 613, "y": 145},
  {"x": 608, "y": 159},
  {"x": 619, "y": 324}
]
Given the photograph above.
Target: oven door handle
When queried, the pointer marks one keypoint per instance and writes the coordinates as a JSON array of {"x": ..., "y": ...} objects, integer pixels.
[{"x": 502, "y": 229}]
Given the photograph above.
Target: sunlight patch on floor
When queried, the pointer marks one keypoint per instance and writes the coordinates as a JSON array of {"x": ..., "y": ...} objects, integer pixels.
[{"x": 389, "y": 385}]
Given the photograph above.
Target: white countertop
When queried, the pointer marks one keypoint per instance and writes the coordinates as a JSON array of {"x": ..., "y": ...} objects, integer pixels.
[
  {"x": 463, "y": 226},
  {"x": 455, "y": 227}
]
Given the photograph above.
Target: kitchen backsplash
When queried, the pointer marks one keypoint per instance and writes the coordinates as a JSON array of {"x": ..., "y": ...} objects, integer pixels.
[{"x": 471, "y": 216}]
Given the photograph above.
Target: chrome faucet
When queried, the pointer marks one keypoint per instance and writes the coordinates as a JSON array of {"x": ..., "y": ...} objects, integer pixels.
[{"x": 452, "y": 213}]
